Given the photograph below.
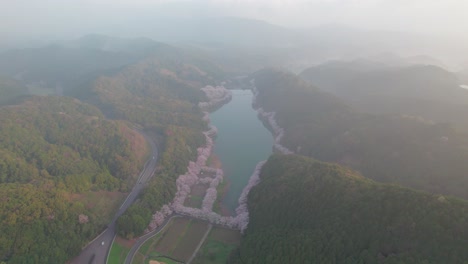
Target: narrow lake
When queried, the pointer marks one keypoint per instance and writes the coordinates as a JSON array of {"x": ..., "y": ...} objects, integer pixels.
[{"x": 241, "y": 143}]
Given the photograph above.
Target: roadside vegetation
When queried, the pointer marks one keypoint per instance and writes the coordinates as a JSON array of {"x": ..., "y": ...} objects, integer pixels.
[{"x": 118, "y": 253}]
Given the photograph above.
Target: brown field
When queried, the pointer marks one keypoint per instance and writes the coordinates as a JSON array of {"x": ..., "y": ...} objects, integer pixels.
[
  {"x": 171, "y": 237},
  {"x": 196, "y": 196},
  {"x": 190, "y": 240}
]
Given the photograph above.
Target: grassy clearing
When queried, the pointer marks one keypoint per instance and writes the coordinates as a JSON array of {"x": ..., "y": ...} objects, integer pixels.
[
  {"x": 193, "y": 201},
  {"x": 118, "y": 253},
  {"x": 196, "y": 196},
  {"x": 218, "y": 246},
  {"x": 177, "y": 240}
]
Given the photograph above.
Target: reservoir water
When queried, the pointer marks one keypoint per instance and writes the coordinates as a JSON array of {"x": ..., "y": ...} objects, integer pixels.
[{"x": 241, "y": 143}]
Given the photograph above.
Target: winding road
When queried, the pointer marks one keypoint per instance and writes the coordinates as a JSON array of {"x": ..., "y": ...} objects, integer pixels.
[{"x": 97, "y": 250}]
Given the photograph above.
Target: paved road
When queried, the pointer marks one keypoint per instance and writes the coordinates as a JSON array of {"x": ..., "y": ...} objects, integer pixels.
[{"x": 96, "y": 252}]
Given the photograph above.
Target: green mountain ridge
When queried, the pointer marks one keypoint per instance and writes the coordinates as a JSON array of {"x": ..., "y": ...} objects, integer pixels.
[
  {"x": 54, "y": 152},
  {"x": 341, "y": 217},
  {"x": 406, "y": 150},
  {"x": 419, "y": 90}
]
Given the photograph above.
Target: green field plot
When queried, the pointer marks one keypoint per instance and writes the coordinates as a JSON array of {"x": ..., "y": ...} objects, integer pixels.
[
  {"x": 218, "y": 246},
  {"x": 118, "y": 253},
  {"x": 196, "y": 196},
  {"x": 172, "y": 236},
  {"x": 177, "y": 241},
  {"x": 190, "y": 241}
]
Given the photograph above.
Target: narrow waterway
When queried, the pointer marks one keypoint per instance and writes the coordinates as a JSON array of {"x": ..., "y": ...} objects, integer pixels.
[{"x": 242, "y": 141}]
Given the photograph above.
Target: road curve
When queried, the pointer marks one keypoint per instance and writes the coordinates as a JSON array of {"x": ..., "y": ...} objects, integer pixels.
[{"x": 97, "y": 250}]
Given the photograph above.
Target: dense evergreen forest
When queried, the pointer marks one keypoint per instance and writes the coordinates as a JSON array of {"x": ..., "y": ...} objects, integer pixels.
[
  {"x": 55, "y": 151},
  {"x": 400, "y": 149},
  {"x": 338, "y": 216}
]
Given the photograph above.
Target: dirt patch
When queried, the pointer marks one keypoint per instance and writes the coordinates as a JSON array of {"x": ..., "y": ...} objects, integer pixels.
[
  {"x": 124, "y": 242},
  {"x": 199, "y": 189},
  {"x": 197, "y": 193}
]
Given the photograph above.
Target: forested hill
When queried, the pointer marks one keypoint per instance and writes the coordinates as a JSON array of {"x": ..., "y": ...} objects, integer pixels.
[
  {"x": 341, "y": 217},
  {"x": 69, "y": 66},
  {"x": 55, "y": 154},
  {"x": 161, "y": 93},
  {"x": 427, "y": 91},
  {"x": 400, "y": 149}
]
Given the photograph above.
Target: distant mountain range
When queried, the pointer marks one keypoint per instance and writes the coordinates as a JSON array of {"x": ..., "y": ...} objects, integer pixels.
[{"x": 419, "y": 90}]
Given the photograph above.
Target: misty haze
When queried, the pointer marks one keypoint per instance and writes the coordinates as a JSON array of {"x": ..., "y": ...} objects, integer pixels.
[{"x": 234, "y": 131}]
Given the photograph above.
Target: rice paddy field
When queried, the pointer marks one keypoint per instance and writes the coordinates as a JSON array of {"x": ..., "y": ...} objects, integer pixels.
[
  {"x": 176, "y": 243},
  {"x": 218, "y": 246}
]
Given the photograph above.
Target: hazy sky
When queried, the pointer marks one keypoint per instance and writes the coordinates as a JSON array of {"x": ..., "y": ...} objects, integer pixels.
[{"x": 35, "y": 17}]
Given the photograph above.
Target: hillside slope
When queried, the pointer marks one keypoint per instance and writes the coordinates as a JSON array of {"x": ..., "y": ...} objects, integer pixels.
[
  {"x": 400, "y": 149},
  {"x": 420, "y": 90},
  {"x": 341, "y": 217},
  {"x": 160, "y": 93},
  {"x": 63, "y": 169}
]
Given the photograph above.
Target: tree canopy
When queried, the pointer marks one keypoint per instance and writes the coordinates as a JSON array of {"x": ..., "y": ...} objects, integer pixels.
[{"x": 306, "y": 211}]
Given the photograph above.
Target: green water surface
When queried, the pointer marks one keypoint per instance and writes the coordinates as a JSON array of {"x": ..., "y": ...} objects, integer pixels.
[{"x": 241, "y": 143}]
